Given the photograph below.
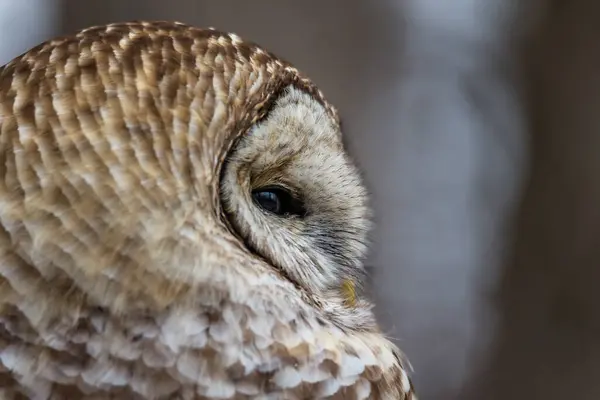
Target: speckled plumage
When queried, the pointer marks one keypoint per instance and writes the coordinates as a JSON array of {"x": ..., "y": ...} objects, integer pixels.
[{"x": 132, "y": 263}]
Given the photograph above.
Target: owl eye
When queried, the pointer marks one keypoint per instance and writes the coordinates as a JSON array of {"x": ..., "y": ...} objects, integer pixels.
[{"x": 278, "y": 201}]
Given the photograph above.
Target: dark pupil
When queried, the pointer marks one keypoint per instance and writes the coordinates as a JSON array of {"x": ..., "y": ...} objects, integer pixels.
[
  {"x": 268, "y": 201},
  {"x": 277, "y": 201}
]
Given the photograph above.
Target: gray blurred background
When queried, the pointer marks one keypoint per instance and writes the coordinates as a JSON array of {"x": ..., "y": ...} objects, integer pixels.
[{"x": 477, "y": 123}]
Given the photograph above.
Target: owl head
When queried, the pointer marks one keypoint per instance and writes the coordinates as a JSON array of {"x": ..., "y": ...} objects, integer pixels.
[{"x": 190, "y": 191}]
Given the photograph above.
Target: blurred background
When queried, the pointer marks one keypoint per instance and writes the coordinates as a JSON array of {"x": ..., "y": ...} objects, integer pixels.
[{"x": 477, "y": 124}]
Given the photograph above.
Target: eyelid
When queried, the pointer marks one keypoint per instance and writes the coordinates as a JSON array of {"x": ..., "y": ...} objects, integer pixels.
[
  {"x": 280, "y": 184},
  {"x": 296, "y": 199}
]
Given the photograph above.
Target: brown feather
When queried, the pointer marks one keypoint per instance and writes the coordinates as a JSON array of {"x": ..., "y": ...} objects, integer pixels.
[{"x": 120, "y": 275}]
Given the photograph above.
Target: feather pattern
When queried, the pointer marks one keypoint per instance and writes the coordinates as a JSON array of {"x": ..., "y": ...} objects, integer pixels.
[{"x": 120, "y": 277}]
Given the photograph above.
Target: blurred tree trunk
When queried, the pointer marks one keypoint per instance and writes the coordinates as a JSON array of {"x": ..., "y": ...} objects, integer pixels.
[{"x": 548, "y": 344}]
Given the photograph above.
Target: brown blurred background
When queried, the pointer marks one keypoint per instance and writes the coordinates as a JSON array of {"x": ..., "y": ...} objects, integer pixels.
[{"x": 477, "y": 123}]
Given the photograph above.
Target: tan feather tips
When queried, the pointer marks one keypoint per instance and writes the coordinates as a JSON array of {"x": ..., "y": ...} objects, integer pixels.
[{"x": 171, "y": 45}]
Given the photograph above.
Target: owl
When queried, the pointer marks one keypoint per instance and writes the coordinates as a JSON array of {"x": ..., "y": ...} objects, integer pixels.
[{"x": 179, "y": 219}]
